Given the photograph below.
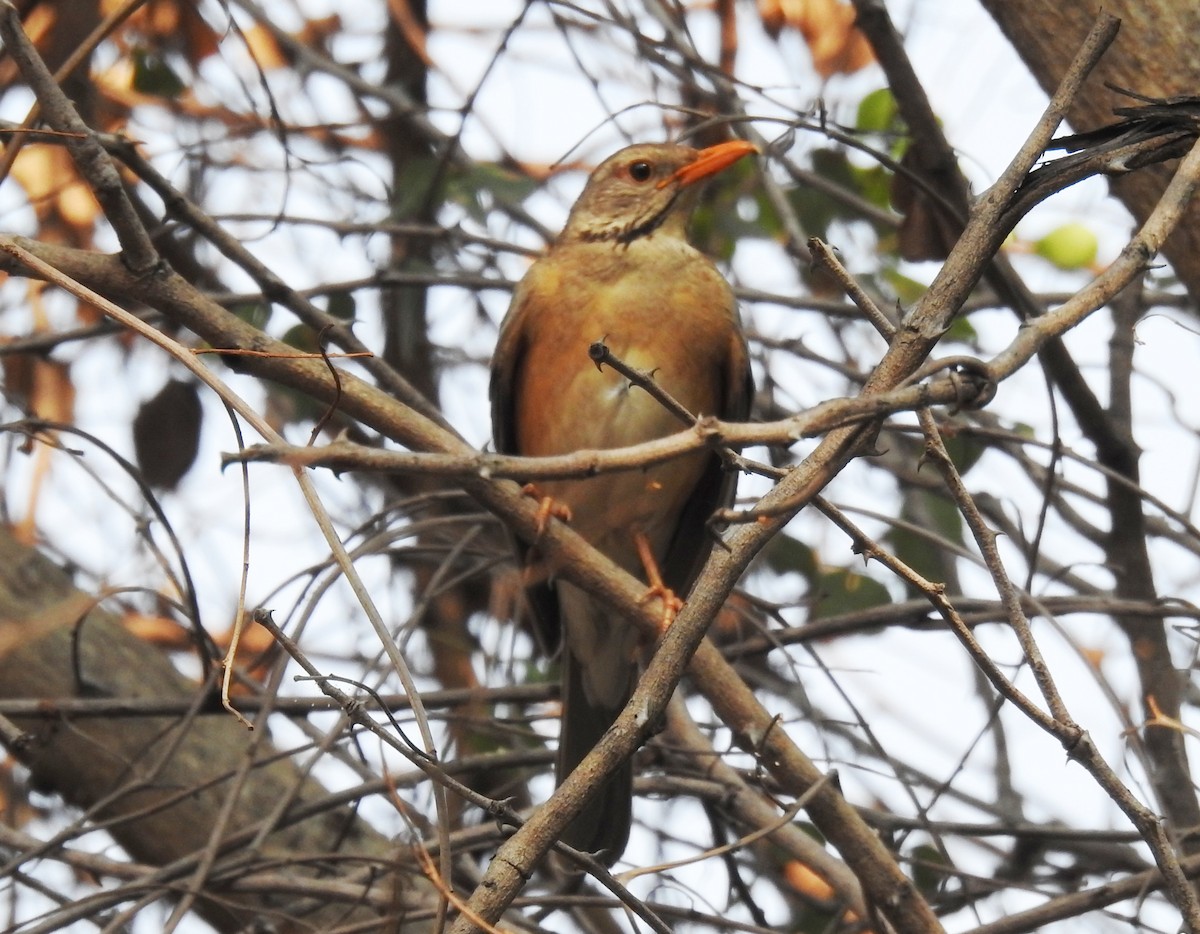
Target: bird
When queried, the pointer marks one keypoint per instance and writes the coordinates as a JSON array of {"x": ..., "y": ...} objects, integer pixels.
[{"x": 623, "y": 272}]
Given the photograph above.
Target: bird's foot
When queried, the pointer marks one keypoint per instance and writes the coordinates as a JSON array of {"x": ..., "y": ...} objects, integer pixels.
[
  {"x": 548, "y": 507},
  {"x": 670, "y": 601},
  {"x": 671, "y": 604}
]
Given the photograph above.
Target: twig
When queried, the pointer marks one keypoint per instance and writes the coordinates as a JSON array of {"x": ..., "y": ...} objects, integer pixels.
[
  {"x": 1132, "y": 262},
  {"x": 600, "y": 355},
  {"x": 25, "y": 132},
  {"x": 90, "y": 158},
  {"x": 1075, "y": 740},
  {"x": 959, "y": 389},
  {"x": 883, "y": 881},
  {"x": 192, "y": 299},
  {"x": 825, "y": 256},
  {"x": 179, "y": 206}
]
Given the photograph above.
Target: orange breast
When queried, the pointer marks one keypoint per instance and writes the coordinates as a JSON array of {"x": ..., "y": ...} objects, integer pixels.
[{"x": 678, "y": 325}]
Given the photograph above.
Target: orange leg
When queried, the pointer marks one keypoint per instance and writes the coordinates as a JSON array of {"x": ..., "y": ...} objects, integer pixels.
[
  {"x": 547, "y": 506},
  {"x": 671, "y": 603}
]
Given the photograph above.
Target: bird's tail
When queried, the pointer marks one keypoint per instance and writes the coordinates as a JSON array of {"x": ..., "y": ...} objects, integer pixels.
[{"x": 599, "y": 672}]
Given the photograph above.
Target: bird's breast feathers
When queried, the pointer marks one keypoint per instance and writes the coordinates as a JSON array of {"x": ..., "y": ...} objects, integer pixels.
[
  {"x": 658, "y": 304},
  {"x": 676, "y": 321}
]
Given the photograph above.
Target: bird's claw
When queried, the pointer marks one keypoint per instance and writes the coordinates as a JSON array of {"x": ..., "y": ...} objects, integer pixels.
[
  {"x": 548, "y": 507},
  {"x": 670, "y": 602}
]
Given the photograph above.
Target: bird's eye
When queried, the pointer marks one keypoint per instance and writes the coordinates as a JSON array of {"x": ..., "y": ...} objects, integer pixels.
[{"x": 640, "y": 171}]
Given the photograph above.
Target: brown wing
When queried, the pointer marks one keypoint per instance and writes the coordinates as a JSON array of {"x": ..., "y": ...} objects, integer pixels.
[
  {"x": 510, "y": 349},
  {"x": 693, "y": 539},
  {"x": 506, "y": 363}
]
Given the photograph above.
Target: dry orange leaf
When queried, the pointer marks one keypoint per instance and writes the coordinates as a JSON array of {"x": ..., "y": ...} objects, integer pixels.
[
  {"x": 317, "y": 32},
  {"x": 254, "y": 639},
  {"x": 115, "y": 86},
  {"x": 406, "y": 19},
  {"x": 1094, "y": 657},
  {"x": 37, "y": 170},
  {"x": 14, "y": 799},
  {"x": 38, "y": 23},
  {"x": 263, "y": 48},
  {"x": 154, "y": 18},
  {"x": 158, "y": 630},
  {"x": 53, "y": 395},
  {"x": 65, "y": 206},
  {"x": 49, "y": 394},
  {"x": 56, "y": 28},
  {"x": 257, "y": 655},
  {"x": 836, "y": 44},
  {"x": 812, "y": 886},
  {"x": 45, "y": 388},
  {"x": 807, "y": 882}
]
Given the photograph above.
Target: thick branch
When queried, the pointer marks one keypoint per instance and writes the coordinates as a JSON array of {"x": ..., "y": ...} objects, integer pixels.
[{"x": 158, "y": 783}]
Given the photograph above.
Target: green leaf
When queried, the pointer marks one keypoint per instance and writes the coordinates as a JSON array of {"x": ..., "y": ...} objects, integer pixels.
[
  {"x": 303, "y": 338},
  {"x": 809, "y": 828},
  {"x": 874, "y": 183},
  {"x": 928, "y": 557},
  {"x": 840, "y": 590},
  {"x": 254, "y": 313},
  {"x": 480, "y": 186},
  {"x": 930, "y": 868},
  {"x": 1070, "y": 247},
  {"x": 961, "y": 329},
  {"x": 413, "y": 188},
  {"x": 815, "y": 209},
  {"x": 288, "y": 406},
  {"x": 152, "y": 75},
  {"x": 733, "y": 208},
  {"x": 964, "y": 450},
  {"x": 770, "y": 224},
  {"x": 341, "y": 305},
  {"x": 785, "y": 554},
  {"x": 907, "y": 290},
  {"x": 477, "y": 187},
  {"x": 878, "y": 112},
  {"x": 833, "y": 590}
]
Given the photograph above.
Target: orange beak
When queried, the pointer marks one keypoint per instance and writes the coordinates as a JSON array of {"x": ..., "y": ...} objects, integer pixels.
[{"x": 710, "y": 161}]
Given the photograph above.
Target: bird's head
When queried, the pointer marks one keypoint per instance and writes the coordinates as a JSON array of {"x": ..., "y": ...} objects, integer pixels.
[{"x": 647, "y": 187}]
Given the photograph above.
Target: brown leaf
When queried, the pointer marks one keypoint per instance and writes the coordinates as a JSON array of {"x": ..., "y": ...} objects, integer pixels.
[
  {"x": 927, "y": 231},
  {"x": 53, "y": 394},
  {"x": 166, "y": 434},
  {"x": 172, "y": 24}
]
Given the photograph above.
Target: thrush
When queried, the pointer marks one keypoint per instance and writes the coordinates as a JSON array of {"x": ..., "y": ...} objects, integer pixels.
[{"x": 623, "y": 272}]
